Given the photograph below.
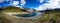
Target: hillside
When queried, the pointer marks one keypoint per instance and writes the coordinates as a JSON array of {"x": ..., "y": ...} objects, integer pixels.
[
  {"x": 48, "y": 16},
  {"x": 13, "y": 9}
]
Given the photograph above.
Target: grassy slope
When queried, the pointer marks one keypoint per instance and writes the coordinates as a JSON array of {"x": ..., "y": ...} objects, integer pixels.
[
  {"x": 12, "y": 9},
  {"x": 48, "y": 16},
  {"x": 51, "y": 16},
  {"x": 8, "y": 19}
]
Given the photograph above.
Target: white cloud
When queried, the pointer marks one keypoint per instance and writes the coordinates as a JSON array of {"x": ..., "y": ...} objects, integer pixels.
[
  {"x": 7, "y": 0},
  {"x": 15, "y": 3},
  {"x": 41, "y": 1},
  {"x": 2, "y": 1},
  {"x": 51, "y": 5},
  {"x": 22, "y": 2}
]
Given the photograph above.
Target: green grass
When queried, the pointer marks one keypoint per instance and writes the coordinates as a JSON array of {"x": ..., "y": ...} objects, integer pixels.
[
  {"x": 8, "y": 19},
  {"x": 48, "y": 16},
  {"x": 13, "y": 9}
]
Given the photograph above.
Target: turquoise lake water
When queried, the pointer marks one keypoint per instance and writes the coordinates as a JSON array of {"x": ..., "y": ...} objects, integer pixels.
[{"x": 27, "y": 15}]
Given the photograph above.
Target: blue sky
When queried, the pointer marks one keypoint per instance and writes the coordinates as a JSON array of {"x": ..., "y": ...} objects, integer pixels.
[
  {"x": 36, "y": 4},
  {"x": 28, "y": 4}
]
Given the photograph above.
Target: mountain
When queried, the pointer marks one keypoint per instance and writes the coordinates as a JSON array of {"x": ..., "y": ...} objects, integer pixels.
[{"x": 57, "y": 9}]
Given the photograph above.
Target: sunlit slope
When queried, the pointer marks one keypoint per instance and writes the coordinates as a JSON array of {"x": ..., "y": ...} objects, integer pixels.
[
  {"x": 13, "y": 9},
  {"x": 50, "y": 16}
]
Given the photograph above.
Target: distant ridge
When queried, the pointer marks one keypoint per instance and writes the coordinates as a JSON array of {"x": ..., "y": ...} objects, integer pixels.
[{"x": 57, "y": 9}]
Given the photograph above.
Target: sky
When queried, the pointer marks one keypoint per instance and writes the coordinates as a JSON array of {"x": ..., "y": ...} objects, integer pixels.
[{"x": 36, "y": 4}]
